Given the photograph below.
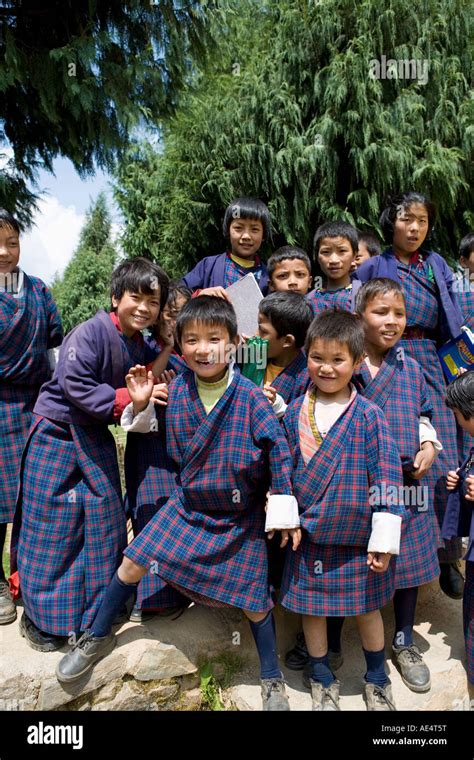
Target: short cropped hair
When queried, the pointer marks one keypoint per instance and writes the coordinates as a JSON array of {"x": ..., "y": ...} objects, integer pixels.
[
  {"x": 372, "y": 243},
  {"x": 404, "y": 201},
  {"x": 336, "y": 229},
  {"x": 210, "y": 310},
  {"x": 139, "y": 275},
  {"x": 8, "y": 220},
  {"x": 460, "y": 394},
  {"x": 379, "y": 286},
  {"x": 247, "y": 208},
  {"x": 466, "y": 246},
  {"x": 340, "y": 326},
  {"x": 176, "y": 289},
  {"x": 289, "y": 313},
  {"x": 287, "y": 253}
]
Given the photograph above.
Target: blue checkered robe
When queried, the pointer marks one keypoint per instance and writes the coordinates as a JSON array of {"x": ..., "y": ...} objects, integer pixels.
[
  {"x": 433, "y": 306},
  {"x": 150, "y": 479},
  {"x": 468, "y": 620},
  {"x": 320, "y": 300},
  {"x": 29, "y": 326},
  {"x": 222, "y": 270},
  {"x": 209, "y": 537},
  {"x": 70, "y": 524},
  {"x": 328, "y": 575},
  {"x": 466, "y": 303},
  {"x": 399, "y": 389},
  {"x": 293, "y": 380}
]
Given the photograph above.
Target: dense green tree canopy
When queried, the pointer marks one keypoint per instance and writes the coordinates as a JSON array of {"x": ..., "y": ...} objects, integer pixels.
[
  {"x": 291, "y": 108},
  {"x": 77, "y": 75},
  {"x": 85, "y": 285}
]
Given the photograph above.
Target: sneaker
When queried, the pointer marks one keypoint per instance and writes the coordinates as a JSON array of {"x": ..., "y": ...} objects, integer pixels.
[
  {"x": 409, "y": 662},
  {"x": 37, "y": 639},
  {"x": 7, "y": 605},
  {"x": 140, "y": 616},
  {"x": 325, "y": 699},
  {"x": 274, "y": 696},
  {"x": 336, "y": 660},
  {"x": 379, "y": 698},
  {"x": 296, "y": 658},
  {"x": 451, "y": 579},
  {"x": 83, "y": 655}
]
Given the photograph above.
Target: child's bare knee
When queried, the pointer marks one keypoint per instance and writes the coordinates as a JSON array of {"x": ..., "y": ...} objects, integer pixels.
[{"x": 130, "y": 572}]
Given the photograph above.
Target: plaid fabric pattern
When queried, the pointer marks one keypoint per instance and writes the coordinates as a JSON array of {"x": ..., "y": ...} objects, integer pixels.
[
  {"x": 29, "y": 325},
  {"x": 320, "y": 300},
  {"x": 234, "y": 272},
  {"x": 294, "y": 379},
  {"x": 468, "y": 620},
  {"x": 73, "y": 526},
  {"x": 331, "y": 580},
  {"x": 466, "y": 303},
  {"x": 417, "y": 562},
  {"x": 209, "y": 537}
]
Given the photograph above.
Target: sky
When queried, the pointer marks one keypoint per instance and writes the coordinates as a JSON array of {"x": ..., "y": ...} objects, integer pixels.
[{"x": 49, "y": 245}]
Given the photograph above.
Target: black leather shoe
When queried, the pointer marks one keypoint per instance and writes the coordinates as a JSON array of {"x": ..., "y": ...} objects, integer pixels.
[
  {"x": 37, "y": 639},
  {"x": 296, "y": 658},
  {"x": 451, "y": 580},
  {"x": 7, "y": 605},
  {"x": 83, "y": 655},
  {"x": 414, "y": 672}
]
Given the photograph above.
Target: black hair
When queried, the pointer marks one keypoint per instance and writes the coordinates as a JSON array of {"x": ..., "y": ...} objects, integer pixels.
[
  {"x": 247, "y": 208},
  {"x": 176, "y": 288},
  {"x": 340, "y": 326},
  {"x": 210, "y": 310},
  {"x": 372, "y": 243},
  {"x": 8, "y": 220},
  {"x": 289, "y": 313},
  {"x": 139, "y": 275},
  {"x": 379, "y": 286},
  {"x": 460, "y": 394},
  {"x": 285, "y": 253},
  {"x": 466, "y": 246},
  {"x": 403, "y": 201},
  {"x": 333, "y": 230}
]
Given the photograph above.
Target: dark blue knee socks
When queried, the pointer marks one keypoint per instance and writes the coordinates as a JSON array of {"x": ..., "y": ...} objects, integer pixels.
[
  {"x": 265, "y": 640},
  {"x": 375, "y": 667},
  {"x": 320, "y": 670},
  {"x": 404, "y": 606},
  {"x": 115, "y": 597}
]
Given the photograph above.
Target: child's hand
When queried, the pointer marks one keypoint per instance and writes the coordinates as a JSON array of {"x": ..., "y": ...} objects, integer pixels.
[
  {"x": 140, "y": 387},
  {"x": 378, "y": 561},
  {"x": 217, "y": 291},
  {"x": 423, "y": 460},
  {"x": 269, "y": 392},
  {"x": 166, "y": 334},
  {"x": 452, "y": 480},
  {"x": 160, "y": 394},
  {"x": 167, "y": 376},
  {"x": 470, "y": 488},
  {"x": 295, "y": 534}
]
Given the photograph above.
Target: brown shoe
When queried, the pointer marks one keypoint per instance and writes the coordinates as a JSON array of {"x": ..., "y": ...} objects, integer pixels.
[
  {"x": 379, "y": 698},
  {"x": 325, "y": 698}
]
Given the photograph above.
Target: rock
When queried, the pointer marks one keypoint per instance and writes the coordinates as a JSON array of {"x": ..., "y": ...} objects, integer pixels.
[
  {"x": 191, "y": 700},
  {"x": 190, "y": 680},
  {"x": 53, "y": 694},
  {"x": 159, "y": 661}
]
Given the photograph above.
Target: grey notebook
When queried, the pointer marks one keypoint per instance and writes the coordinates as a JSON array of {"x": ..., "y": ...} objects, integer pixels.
[{"x": 245, "y": 296}]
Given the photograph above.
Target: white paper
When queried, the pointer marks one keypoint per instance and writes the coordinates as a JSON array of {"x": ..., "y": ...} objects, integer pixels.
[{"x": 245, "y": 296}]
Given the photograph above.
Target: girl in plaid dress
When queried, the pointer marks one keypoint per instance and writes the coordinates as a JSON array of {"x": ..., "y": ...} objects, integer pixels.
[
  {"x": 433, "y": 317},
  {"x": 335, "y": 249},
  {"x": 208, "y": 540},
  {"x": 348, "y": 481},
  {"x": 29, "y": 327}
]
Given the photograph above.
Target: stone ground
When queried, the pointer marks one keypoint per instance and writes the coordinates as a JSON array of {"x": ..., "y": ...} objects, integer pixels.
[{"x": 154, "y": 665}]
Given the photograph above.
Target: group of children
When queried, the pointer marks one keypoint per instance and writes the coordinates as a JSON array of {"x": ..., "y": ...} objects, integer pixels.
[{"x": 348, "y": 449}]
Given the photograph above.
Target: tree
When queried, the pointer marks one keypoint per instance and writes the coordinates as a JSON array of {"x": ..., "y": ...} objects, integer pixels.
[
  {"x": 85, "y": 286},
  {"x": 78, "y": 75},
  {"x": 292, "y": 109}
]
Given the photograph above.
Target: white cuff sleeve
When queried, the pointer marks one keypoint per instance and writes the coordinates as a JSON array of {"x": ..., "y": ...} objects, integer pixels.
[
  {"x": 385, "y": 536},
  {"x": 279, "y": 406},
  {"x": 144, "y": 422},
  {"x": 428, "y": 433},
  {"x": 282, "y": 512},
  {"x": 53, "y": 356}
]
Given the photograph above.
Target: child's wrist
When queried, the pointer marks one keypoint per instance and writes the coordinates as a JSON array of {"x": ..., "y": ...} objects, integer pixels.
[{"x": 139, "y": 406}]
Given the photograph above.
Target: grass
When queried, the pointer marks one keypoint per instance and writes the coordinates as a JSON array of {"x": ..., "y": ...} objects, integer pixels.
[{"x": 216, "y": 675}]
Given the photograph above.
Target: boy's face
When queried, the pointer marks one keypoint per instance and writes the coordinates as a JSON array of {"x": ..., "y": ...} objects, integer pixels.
[
  {"x": 276, "y": 344},
  {"x": 206, "y": 349},
  {"x": 468, "y": 263},
  {"x": 246, "y": 237},
  {"x": 467, "y": 425},
  {"x": 362, "y": 254},
  {"x": 292, "y": 275},
  {"x": 330, "y": 365},
  {"x": 384, "y": 321},
  {"x": 171, "y": 311},
  {"x": 135, "y": 311},
  {"x": 410, "y": 228},
  {"x": 335, "y": 257},
  {"x": 9, "y": 250}
]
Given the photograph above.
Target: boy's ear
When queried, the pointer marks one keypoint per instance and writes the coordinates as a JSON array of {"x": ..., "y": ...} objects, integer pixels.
[
  {"x": 358, "y": 363},
  {"x": 115, "y": 301},
  {"x": 289, "y": 341}
]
